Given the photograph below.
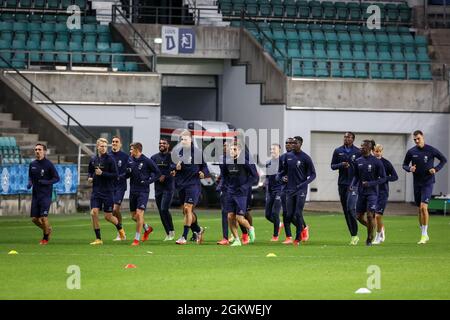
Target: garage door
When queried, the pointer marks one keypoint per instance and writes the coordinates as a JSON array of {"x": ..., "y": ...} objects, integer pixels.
[{"x": 324, "y": 188}]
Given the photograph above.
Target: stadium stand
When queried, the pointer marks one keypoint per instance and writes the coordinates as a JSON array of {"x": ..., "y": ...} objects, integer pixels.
[
  {"x": 323, "y": 39},
  {"x": 35, "y": 34}
]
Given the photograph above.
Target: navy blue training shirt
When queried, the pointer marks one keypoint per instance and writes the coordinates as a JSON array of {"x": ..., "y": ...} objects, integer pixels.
[
  {"x": 299, "y": 169},
  {"x": 121, "y": 159},
  {"x": 344, "y": 154},
  {"x": 391, "y": 175},
  {"x": 42, "y": 175},
  {"x": 273, "y": 185},
  {"x": 189, "y": 173},
  {"x": 104, "y": 183},
  {"x": 142, "y": 172},
  {"x": 164, "y": 163},
  {"x": 371, "y": 170},
  {"x": 423, "y": 159},
  {"x": 238, "y": 176}
]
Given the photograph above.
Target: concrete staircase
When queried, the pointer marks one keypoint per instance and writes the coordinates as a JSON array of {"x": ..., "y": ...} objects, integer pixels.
[
  {"x": 208, "y": 13},
  {"x": 25, "y": 140}
]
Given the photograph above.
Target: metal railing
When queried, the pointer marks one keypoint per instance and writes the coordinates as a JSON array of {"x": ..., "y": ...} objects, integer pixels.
[
  {"x": 137, "y": 38},
  {"x": 66, "y": 59},
  {"x": 56, "y": 109},
  {"x": 296, "y": 69}
]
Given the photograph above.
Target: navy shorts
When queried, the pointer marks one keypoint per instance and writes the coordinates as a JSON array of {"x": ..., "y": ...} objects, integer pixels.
[
  {"x": 118, "y": 196},
  {"x": 422, "y": 194},
  {"x": 236, "y": 204},
  {"x": 382, "y": 202},
  {"x": 138, "y": 200},
  {"x": 366, "y": 203},
  {"x": 40, "y": 207},
  {"x": 190, "y": 194},
  {"x": 103, "y": 203}
]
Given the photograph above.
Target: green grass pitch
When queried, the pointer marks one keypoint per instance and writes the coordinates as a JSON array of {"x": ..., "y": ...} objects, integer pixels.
[{"x": 324, "y": 268}]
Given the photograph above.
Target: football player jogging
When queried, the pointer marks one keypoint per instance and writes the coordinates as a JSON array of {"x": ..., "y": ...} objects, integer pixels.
[
  {"x": 343, "y": 160},
  {"x": 42, "y": 175},
  {"x": 368, "y": 175},
  {"x": 273, "y": 190},
  {"x": 189, "y": 169},
  {"x": 164, "y": 188},
  {"x": 142, "y": 172},
  {"x": 239, "y": 175},
  {"x": 221, "y": 189},
  {"x": 285, "y": 223},
  {"x": 297, "y": 171},
  {"x": 420, "y": 161},
  {"x": 120, "y": 185},
  {"x": 383, "y": 193},
  {"x": 103, "y": 175}
]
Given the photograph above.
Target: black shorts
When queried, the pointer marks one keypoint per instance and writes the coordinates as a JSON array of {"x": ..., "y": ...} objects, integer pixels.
[
  {"x": 138, "y": 200},
  {"x": 40, "y": 207},
  {"x": 102, "y": 202}
]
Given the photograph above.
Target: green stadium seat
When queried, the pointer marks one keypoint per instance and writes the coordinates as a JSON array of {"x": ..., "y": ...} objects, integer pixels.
[
  {"x": 399, "y": 71},
  {"x": 306, "y": 45},
  {"x": 307, "y": 54},
  {"x": 375, "y": 71},
  {"x": 423, "y": 57},
  {"x": 39, "y": 3},
  {"x": 251, "y": 7},
  {"x": 347, "y": 70},
  {"x": 397, "y": 56},
  {"x": 278, "y": 34},
  {"x": 290, "y": 8},
  {"x": 354, "y": 11},
  {"x": 332, "y": 46},
  {"x": 403, "y": 30},
  {"x": 346, "y": 55},
  {"x": 90, "y": 49},
  {"x": 48, "y": 48},
  {"x": 49, "y": 18},
  {"x": 420, "y": 41},
  {"x": 21, "y": 17},
  {"x": 322, "y": 69},
  {"x": 65, "y": 4},
  {"x": 359, "y": 55},
  {"x": 292, "y": 34},
  {"x": 410, "y": 57},
  {"x": 308, "y": 69},
  {"x": 333, "y": 55},
  {"x": 76, "y": 47},
  {"x": 81, "y": 4},
  {"x": 392, "y": 12},
  {"x": 303, "y": 9},
  {"x": 384, "y": 56},
  {"x": 11, "y": 3},
  {"x": 386, "y": 71},
  {"x": 316, "y": 9},
  {"x": 329, "y": 10},
  {"x": 405, "y": 12},
  {"x": 277, "y": 8},
  {"x": 62, "y": 48},
  {"x": 35, "y": 18},
  {"x": 62, "y": 18},
  {"x": 53, "y": 4},
  {"x": 331, "y": 37},
  {"x": 302, "y": 27},
  {"x": 343, "y": 37},
  {"x": 34, "y": 45},
  {"x": 20, "y": 27},
  {"x": 293, "y": 53},
  {"x": 131, "y": 66},
  {"x": 293, "y": 44},
  {"x": 25, "y": 3},
  {"x": 320, "y": 54},
  {"x": 304, "y": 36},
  {"x": 335, "y": 69},
  {"x": 317, "y": 36},
  {"x": 360, "y": 70},
  {"x": 412, "y": 73}
]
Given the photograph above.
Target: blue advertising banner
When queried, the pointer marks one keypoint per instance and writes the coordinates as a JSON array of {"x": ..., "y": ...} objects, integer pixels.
[{"x": 14, "y": 179}]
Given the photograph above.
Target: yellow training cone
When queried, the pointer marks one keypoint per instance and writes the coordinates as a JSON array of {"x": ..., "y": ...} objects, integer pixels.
[
  {"x": 13, "y": 252},
  {"x": 271, "y": 255}
]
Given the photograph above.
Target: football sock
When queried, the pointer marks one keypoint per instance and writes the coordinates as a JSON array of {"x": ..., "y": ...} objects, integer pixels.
[{"x": 97, "y": 234}]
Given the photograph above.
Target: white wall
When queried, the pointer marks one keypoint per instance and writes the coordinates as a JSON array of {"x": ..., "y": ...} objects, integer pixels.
[
  {"x": 145, "y": 121},
  {"x": 240, "y": 103},
  {"x": 435, "y": 127}
]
